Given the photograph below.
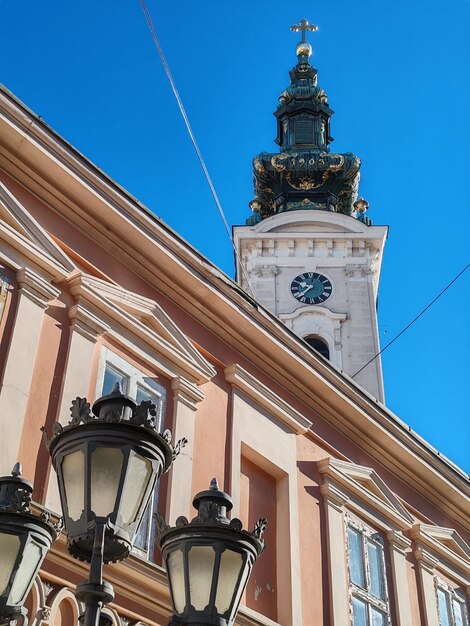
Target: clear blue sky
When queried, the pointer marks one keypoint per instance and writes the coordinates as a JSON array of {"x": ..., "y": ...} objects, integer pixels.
[{"x": 397, "y": 77}]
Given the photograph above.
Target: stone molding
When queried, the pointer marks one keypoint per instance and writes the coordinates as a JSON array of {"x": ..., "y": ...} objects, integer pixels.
[
  {"x": 265, "y": 271},
  {"x": 36, "y": 287},
  {"x": 354, "y": 270},
  {"x": 86, "y": 323},
  {"x": 143, "y": 318},
  {"x": 399, "y": 541},
  {"x": 274, "y": 404},
  {"x": 333, "y": 496},
  {"x": 366, "y": 486},
  {"x": 437, "y": 546},
  {"x": 186, "y": 392}
]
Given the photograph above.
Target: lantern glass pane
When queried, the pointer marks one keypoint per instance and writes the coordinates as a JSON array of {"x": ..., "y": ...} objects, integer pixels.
[
  {"x": 139, "y": 472},
  {"x": 73, "y": 472},
  {"x": 175, "y": 568},
  {"x": 33, "y": 555},
  {"x": 201, "y": 561},
  {"x": 231, "y": 564},
  {"x": 106, "y": 467},
  {"x": 9, "y": 548}
]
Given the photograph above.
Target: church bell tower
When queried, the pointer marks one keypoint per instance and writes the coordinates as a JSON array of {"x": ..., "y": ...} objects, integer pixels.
[{"x": 309, "y": 252}]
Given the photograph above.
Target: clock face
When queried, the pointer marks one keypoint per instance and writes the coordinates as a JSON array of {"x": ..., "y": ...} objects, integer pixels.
[{"x": 311, "y": 288}]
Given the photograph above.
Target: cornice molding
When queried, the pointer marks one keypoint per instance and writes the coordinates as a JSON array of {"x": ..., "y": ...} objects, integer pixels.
[
  {"x": 426, "y": 560},
  {"x": 36, "y": 287},
  {"x": 274, "y": 404},
  {"x": 187, "y": 392},
  {"x": 334, "y": 496},
  {"x": 157, "y": 330},
  {"x": 86, "y": 323},
  {"x": 20, "y": 220},
  {"x": 367, "y": 487},
  {"x": 446, "y": 543},
  {"x": 399, "y": 541}
]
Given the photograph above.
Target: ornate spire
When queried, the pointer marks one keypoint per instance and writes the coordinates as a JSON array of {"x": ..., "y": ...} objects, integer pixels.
[{"x": 304, "y": 174}]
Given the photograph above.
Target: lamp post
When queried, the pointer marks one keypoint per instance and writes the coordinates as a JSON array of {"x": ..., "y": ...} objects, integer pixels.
[
  {"x": 107, "y": 462},
  {"x": 209, "y": 561},
  {"x": 24, "y": 542}
]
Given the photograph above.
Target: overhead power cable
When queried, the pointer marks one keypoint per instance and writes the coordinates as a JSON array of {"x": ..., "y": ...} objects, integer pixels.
[
  {"x": 413, "y": 321},
  {"x": 193, "y": 138}
]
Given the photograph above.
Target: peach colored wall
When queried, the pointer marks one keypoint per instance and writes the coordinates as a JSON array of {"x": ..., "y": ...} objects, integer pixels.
[
  {"x": 43, "y": 401},
  {"x": 213, "y": 426},
  {"x": 212, "y": 435},
  {"x": 258, "y": 498},
  {"x": 413, "y": 584},
  {"x": 312, "y": 531}
]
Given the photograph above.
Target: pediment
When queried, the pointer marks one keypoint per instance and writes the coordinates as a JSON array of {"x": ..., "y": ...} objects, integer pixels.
[
  {"x": 443, "y": 539},
  {"x": 365, "y": 483},
  {"x": 145, "y": 316},
  {"x": 16, "y": 219}
]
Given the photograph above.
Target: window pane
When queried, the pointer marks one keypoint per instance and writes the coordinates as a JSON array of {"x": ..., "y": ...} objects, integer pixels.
[
  {"x": 443, "y": 608},
  {"x": 359, "y": 612},
  {"x": 113, "y": 376},
  {"x": 459, "y": 613},
  {"x": 376, "y": 571},
  {"x": 356, "y": 559},
  {"x": 143, "y": 394},
  {"x": 378, "y": 618}
]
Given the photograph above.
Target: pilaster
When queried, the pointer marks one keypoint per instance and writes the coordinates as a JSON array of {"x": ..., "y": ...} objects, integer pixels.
[
  {"x": 186, "y": 397},
  {"x": 399, "y": 545},
  {"x": 426, "y": 564},
  {"x": 334, "y": 502},
  {"x": 34, "y": 294},
  {"x": 85, "y": 329}
]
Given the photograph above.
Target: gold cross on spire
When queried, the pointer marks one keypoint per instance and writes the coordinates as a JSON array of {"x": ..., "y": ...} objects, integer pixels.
[{"x": 304, "y": 26}]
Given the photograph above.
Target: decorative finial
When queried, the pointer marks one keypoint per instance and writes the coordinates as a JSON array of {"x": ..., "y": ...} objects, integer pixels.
[
  {"x": 361, "y": 205},
  {"x": 304, "y": 48},
  {"x": 214, "y": 486},
  {"x": 17, "y": 470}
]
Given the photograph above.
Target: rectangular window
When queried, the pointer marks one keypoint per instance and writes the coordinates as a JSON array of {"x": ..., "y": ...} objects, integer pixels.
[
  {"x": 133, "y": 382},
  {"x": 451, "y": 605},
  {"x": 304, "y": 132},
  {"x": 367, "y": 583}
]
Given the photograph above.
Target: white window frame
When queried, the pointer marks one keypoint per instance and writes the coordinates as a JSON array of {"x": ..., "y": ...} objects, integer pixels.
[
  {"x": 136, "y": 379},
  {"x": 452, "y": 595},
  {"x": 367, "y": 534}
]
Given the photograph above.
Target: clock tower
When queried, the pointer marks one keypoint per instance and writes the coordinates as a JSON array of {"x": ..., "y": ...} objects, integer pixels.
[{"x": 309, "y": 253}]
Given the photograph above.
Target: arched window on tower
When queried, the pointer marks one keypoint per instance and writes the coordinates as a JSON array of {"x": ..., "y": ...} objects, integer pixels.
[{"x": 319, "y": 345}]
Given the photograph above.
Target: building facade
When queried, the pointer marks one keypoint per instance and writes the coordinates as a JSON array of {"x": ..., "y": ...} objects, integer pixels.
[{"x": 368, "y": 525}]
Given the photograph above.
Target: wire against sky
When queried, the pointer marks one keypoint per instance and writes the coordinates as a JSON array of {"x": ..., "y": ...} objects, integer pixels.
[
  {"x": 193, "y": 138},
  {"x": 413, "y": 321}
]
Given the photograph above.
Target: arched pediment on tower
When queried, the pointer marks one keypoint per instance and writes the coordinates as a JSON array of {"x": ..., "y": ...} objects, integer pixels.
[
  {"x": 320, "y": 322},
  {"x": 312, "y": 221}
]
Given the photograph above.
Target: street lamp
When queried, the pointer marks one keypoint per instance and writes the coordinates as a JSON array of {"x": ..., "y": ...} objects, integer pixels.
[
  {"x": 107, "y": 462},
  {"x": 24, "y": 542},
  {"x": 209, "y": 561}
]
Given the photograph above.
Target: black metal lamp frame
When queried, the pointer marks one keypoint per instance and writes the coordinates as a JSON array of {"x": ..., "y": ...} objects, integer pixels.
[
  {"x": 115, "y": 421},
  {"x": 210, "y": 528},
  {"x": 17, "y": 519}
]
